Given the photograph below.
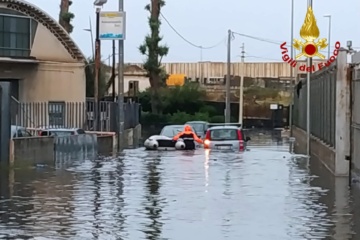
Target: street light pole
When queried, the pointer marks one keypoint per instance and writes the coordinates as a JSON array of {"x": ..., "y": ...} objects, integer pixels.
[
  {"x": 329, "y": 40},
  {"x": 241, "y": 95},
  {"x": 97, "y": 71},
  {"x": 120, "y": 99},
  {"x": 91, "y": 38},
  {"x": 227, "y": 105},
  {"x": 292, "y": 80},
  {"x": 308, "y": 78}
]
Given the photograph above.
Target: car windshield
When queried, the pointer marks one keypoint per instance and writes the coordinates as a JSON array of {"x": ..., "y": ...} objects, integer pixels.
[
  {"x": 198, "y": 127},
  {"x": 171, "y": 131},
  {"x": 224, "y": 134}
]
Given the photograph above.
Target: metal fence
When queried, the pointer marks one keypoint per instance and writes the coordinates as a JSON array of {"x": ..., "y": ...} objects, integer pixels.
[
  {"x": 73, "y": 115},
  {"x": 322, "y": 104}
]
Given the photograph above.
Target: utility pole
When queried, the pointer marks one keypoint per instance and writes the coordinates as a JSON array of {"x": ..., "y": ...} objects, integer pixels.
[
  {"x": 201, "y": 66},
  {"x": 308, "y": 78},
  {"x": 241, "y": 95},
  {"x": 227, "y": 104},
  {"x": 120, "y": 100},
  {"x": 292, "y": 79},
  {"x": 97, "y": 70},
  {"x": 113, "y": 71}
]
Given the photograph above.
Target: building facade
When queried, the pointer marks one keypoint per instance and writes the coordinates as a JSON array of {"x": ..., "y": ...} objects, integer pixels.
[{"x": 38, "y": 57}]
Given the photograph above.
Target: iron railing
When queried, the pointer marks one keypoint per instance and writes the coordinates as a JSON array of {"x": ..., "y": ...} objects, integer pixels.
[
  {"x": 322, "y": 104},
  {"x": 73, "y": 115}
]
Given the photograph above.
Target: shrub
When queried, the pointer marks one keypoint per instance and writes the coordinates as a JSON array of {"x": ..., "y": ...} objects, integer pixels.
[
  {"x": 149, "y": 118},
  {"x": 180, "y": 118}
]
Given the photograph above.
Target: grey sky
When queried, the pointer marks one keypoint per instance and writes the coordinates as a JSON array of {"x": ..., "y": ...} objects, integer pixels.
[{"x": 205, "y": 23}]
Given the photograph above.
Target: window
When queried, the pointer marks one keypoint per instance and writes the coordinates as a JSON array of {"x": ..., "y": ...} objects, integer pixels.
[
  {"x": 81, "y": 131},
  {"x": 15, "y": 36},
  {"x": 171, "y": 131},
  {"x": 224, "y": 134},
  {"x": 198, "y": 127},
  {"x": 56, "y": 114},
  {"x": 25, "y": 133},
  {"x": 22, "y": 133}
]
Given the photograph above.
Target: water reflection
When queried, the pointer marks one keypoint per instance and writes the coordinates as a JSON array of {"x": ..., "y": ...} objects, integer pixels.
[
  {"x": 153, "y": 203},
  {"x": 265, "y": 193},
  {"x": 96, "y": 179}
]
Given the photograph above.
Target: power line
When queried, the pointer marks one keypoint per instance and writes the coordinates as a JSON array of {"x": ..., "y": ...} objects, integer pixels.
[
  {"x": 258, "y": 38},
  {"x": 265, "y": 58},
  {"x": 273, "y": 41},
  {"x": 189, "y": 42}
]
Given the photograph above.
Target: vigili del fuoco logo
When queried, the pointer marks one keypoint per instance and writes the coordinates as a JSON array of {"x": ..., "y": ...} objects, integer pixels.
[{"x": 311, "y": 47}]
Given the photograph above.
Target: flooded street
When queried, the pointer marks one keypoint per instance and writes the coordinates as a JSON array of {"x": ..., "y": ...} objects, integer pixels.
[{"x": 264, "y": 193}]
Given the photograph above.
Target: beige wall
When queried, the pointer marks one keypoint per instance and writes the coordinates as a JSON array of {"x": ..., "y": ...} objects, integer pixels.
[
  {"x": 47, "y": 47},
  {"x": 54, "y": 82}
]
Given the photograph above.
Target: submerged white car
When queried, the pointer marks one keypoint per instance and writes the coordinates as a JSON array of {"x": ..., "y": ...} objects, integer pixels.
[{"x": 164, "y": 141}]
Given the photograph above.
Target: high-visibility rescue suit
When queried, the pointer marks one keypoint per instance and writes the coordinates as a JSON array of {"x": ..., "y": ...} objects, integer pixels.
[{"x": 189, "y": 134}]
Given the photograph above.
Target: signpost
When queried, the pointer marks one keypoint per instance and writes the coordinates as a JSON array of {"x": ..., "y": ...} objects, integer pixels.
[{"x": 112, "y": 25}]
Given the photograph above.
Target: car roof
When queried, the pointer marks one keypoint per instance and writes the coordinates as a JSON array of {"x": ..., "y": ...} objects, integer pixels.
[
  {"x": 224, "y": 127},
  {"x": 174, "y": 126},
  {"x": 61, "y": 129},
  {"x": 197, "y": 122},
  {"x": 14, "y": 128}
]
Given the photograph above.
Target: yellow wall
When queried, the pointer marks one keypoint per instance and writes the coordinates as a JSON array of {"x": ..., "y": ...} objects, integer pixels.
[{"x": 176, "y": 80}]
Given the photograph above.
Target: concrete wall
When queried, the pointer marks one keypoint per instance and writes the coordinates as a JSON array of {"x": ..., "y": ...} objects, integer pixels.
[
  {"x": 76, "y": 147},
  {"x": 34, "y": 150},
  {"x": 319, "y": 149},
  {"x": 132, "y": 137},
  {"x": 107, "y": 145},
  {"x": 51, "y": 150}
]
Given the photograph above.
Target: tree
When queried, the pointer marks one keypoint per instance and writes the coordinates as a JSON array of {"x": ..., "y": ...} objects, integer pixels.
[
  {"x": 65, "y": 17},
  {"x": 154, "y": 52},
  {"x": 90, "y": 78},
  {"x": 187, "y": 98}
]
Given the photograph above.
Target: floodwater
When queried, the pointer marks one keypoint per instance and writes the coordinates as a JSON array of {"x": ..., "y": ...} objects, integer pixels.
[{"x": 264, "y": 193}]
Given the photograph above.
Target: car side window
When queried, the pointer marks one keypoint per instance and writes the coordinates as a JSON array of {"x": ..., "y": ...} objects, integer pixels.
[
  {"x": 25, "y": 133},
  {"x": 44, "y": 133},
  {"x": 80, "y": 131},
  {"x": 18, "y": 133}
]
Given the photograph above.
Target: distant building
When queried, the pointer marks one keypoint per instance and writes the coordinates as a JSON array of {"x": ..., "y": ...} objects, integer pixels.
[{"x": 131, "y": 73}]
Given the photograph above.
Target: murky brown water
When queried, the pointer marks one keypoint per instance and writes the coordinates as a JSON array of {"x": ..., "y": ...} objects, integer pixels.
[{"x": 264, "y": 193}]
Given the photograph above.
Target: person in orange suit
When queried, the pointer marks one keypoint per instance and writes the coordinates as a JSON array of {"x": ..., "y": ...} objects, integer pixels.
[{"x": 187, "y": 133}]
